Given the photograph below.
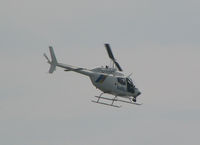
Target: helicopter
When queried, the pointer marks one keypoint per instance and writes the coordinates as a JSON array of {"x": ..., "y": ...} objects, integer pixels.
[{"x": 108, "y": 79}]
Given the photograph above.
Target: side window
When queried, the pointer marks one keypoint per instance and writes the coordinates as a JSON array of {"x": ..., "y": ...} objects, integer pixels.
[{"x": 122, "y": 81}]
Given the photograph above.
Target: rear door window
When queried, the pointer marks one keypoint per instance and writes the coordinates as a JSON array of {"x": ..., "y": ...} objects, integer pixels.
[{"x": 122, "y": 81}]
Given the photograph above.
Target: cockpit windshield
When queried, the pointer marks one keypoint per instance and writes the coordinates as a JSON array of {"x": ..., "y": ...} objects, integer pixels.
[{"x": 130, "y": 85}]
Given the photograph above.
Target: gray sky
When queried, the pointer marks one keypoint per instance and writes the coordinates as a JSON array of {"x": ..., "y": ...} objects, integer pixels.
[{"x": 156, "y": 40}]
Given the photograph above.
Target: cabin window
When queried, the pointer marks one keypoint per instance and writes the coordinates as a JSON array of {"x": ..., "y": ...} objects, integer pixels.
[{"x": 122, "y": 81}]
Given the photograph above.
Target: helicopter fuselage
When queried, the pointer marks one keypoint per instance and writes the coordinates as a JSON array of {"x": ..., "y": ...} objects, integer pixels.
[{"x": 111, "y": 81}]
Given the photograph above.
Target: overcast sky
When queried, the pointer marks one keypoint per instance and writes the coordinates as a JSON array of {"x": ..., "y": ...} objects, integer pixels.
[{"x": 156, "y": 40}]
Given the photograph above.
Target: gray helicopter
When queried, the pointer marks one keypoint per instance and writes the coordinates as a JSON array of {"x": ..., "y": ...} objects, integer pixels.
[{"x": 109, "y": 79}]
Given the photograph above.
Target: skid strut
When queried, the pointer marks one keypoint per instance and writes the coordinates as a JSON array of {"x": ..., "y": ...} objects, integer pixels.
[{"x": 103, "y": 103}]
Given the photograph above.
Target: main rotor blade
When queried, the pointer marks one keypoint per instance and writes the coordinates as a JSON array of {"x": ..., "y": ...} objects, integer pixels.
[
  {"x": 118, "y": 66},
  {"x": 110, "y": 54}
]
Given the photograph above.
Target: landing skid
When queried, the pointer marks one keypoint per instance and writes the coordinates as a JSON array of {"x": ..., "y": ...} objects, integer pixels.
[
  {"x": 106, "y": 104},
  {"x": 113, "y": 100}
]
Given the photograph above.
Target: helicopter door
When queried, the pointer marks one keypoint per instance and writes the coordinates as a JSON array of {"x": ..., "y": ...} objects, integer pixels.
[{"x": 121, "y": 85}]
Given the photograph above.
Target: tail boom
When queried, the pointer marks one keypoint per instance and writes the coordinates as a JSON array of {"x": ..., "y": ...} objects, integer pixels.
[{"x": 53, "y": 63}]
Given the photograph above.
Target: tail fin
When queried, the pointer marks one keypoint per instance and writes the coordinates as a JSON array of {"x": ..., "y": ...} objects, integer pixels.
[{"x": 53, "y": 61}]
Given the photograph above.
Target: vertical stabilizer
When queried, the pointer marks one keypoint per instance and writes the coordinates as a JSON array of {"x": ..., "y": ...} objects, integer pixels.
[{"x": 53, "y": 61}]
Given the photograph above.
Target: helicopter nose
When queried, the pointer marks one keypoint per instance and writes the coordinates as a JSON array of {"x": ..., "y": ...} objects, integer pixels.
[{"x": 139, "y": 93}]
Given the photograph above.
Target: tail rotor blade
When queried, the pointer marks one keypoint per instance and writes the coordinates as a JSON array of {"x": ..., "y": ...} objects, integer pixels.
[{"x": 47, "y": 58}]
